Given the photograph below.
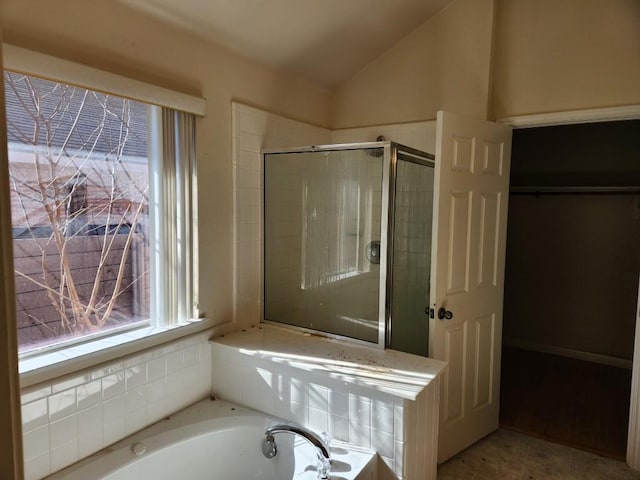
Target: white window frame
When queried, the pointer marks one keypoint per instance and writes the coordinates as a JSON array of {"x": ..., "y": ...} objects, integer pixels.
[{"x": 173, "y": 178}]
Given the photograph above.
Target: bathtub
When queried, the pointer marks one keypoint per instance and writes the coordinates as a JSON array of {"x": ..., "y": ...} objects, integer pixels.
[{"x": 215, "y": 439}]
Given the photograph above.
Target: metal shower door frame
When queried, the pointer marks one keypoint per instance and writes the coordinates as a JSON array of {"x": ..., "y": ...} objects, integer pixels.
[
  {"x": 404, "y": 153},
  {"x": 392, "y": 152}
]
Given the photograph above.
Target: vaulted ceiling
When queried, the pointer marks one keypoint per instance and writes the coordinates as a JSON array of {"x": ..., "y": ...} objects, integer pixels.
[{"x": 325, "y": 41}]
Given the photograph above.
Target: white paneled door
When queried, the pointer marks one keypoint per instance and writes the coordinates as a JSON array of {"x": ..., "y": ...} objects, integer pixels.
[{"x": 470, "y": 226}]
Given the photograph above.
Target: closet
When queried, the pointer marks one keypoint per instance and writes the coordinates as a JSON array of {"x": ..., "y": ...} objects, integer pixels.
[{"x": 572, "y": 267}]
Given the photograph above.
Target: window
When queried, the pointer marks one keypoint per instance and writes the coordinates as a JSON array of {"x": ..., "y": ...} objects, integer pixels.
[{"x": 101, "y": 195}]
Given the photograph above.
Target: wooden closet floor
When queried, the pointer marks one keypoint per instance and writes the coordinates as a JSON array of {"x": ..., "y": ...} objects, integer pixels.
[{"x": 581, "y": 404}]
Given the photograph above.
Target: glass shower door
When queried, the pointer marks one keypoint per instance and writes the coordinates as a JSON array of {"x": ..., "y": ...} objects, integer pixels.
[
  {"x": 322, "y": 232},
  {"x": 411, "y": 266}
]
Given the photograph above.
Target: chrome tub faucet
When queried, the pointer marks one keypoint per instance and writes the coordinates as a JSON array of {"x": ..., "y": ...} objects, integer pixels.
[{"x": 270, "y": 449}]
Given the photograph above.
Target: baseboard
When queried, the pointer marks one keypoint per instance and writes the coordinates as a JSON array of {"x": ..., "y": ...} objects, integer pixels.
[{"x": 569, "y": 353}]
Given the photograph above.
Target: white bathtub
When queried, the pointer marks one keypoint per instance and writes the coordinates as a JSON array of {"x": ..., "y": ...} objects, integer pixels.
[{"x": 216, "y": 440}]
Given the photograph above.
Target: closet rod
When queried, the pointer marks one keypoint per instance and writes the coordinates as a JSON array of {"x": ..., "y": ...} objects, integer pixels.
[{"x": 567, "y": 190}]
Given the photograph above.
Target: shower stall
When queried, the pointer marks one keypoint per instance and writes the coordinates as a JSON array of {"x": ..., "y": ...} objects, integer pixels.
[{"x": 347, "y": 242}]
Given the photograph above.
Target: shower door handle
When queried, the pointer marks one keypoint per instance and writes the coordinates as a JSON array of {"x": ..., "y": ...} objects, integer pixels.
[{"x": 444, "y": 314}]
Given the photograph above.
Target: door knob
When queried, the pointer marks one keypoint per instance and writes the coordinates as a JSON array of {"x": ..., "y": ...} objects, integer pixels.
[{"x": 444, "y": 314}]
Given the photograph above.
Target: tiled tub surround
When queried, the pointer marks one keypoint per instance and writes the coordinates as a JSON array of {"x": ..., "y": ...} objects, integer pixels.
[
  {"x": 217, "y": 439},
  {"x": 75, "y": 416},
  {"x": 380, "y": 399}
]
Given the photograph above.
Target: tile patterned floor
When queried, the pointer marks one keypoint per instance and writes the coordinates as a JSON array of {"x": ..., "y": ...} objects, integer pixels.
[{"x": 507, "y": 455}]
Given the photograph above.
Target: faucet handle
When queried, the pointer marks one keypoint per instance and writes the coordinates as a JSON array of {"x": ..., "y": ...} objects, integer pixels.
[
  {"x": 269, "y": 447},
  {"x": 324, "y": 468}
]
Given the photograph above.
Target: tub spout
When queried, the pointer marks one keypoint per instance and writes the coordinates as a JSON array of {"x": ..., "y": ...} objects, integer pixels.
[{"x": 322, "y": 449}]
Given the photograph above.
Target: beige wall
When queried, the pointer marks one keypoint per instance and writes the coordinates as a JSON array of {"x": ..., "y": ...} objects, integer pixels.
[
  {"x": 572, "y": 273},
  {"x": 548, "y": 56},
  {"x": 566, "y": 55},
  {"x": 107, "y": 35},
  {"x": 444, "y": 64}
]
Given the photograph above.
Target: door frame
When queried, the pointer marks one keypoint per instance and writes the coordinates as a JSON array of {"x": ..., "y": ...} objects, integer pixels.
[{"x": 626, "y": 112}]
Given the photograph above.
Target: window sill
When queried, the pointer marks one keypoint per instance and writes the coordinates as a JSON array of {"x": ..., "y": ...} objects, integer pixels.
[{"x": 50, "y": 365}]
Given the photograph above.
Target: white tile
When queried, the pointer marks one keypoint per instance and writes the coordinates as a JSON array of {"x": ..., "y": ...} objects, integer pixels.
[
  {"x": 249, "y": 380},
  {"x": 298, "y": 391},
  {"x": 299, "y": 412},
  {"x": 192, "y": 383},
  {"x": 64, "y": 455},
  {"x": 382, "y": 443},
  {"x": 108, "y": 369},
  {"x": 410, "y": 420},
  {"x": 339, "y": 428},
  {"x": 205, "y": 376},
  {"x": 136, "y": 399},
  {"x": 37, "y": 467},
  {"x": 401, "y": 458},
  {"x": 219, "y": 378},
  {"x": 250, "y": 142},
  {"x": 113, "y": 385},
  {"x": 318, "y": 420},
  {"x": 135, "y": 376},
  {"x": 319, "y": 397},
  {"x": 174, "y": 361},
  {"x": 90, "y": 430},
  {"x": 156, "y": 368},
  {"x": 359, "y": 410},
  {"x": 89, "y": 394},
  {"x": 89, "y": 445},
  {"x": 113, "y": 416},
  {"x": 398, "y": 421},
  {"x": 166, "y": 350},
  {"x": 281, "y": 409},
  {"x": 190, "y": 355},
  {"x": 35, "y": 415},
  {"x": 174, "y": 383},
  {"x": 69, "y": 383},
  {"x": 36, "y": 442},
  {"x": 234, "y": 385},
  {"x": 174, "y": 402},
  {"x": 155, "y": 390},
  {"x": 338, "y": 404},
  {"x": 90, "y": 422},
  {"x": 266, "y": 393},
  {"x": 252, "y": 122},
  {"x": 248, "y": 160},
  {"x": 382, "y": 417},
  {"x": 157, "y": 410},
  {"x": 64, "y": 430},
  {"x": 205, "y": 351},
  {"x": 138, "y": 359},
  {"x": 359, "y": 435},
  {"x": 136, "y": 420},
  {"x": 31, "y": 395},
  {"x": 62, "y": 404}
]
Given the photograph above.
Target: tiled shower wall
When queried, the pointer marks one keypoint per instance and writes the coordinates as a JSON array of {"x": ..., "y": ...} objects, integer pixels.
[
  {"x": 71, "y": 418},
  {"x": 254, "y": 130},
  {"x": 390, "y": 425}
]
